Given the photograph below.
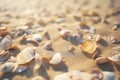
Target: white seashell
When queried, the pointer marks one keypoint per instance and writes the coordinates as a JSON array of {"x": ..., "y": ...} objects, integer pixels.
[
  {"x": 29, "y": 31},
  {"x": 6, "y": 43},
  {"x": 56, "y": 59},
  {"x": 22, "y": 28},
  {"x": 98, "y": 38},
  {"x": 37, "y": 37},
  {"x": 108, "y": 75},
  {"x": 114, "y": 57},
  {"x": 7, "y": 67},
  {"x": 65, "y": 33},
  {"x": 38, "y": 61},
  {"x": 62, "y": 77},
  {"x": 21, "y": 69}
]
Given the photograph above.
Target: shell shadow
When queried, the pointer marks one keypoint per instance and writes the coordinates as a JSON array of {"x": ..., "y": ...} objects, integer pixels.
[
  {"x": 60, "y": 67},
  {"x": 43, "y": 73},
  {"x": 106, "y": 67},
  {"x": 103, "y": 43}
]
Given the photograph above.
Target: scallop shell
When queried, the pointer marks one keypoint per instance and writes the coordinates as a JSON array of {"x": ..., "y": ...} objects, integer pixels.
[
  {"x": 115, "y": 57},
  {"x": 108, "y": 75},
  {"x": 88, "y": 46},
  {"x": 26, "y": 55},
  {"x": 65, "y": 33},
  {"x": 4, "y": 55},
  {"x": 38, "y": 61},
  {"x": 7, "y": 67},
  {"x": 6, "y": 43},
  {"x": 101, "y": 60},
  {"x": 56, "y": 59}
]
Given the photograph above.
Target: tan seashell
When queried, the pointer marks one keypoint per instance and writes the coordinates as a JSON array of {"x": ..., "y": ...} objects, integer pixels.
[
  {"x": 38, "y": 61},
  {"x": 6, "y": 43},
  {"x": 56, "y": 59},
  {"x": 115, "y": 57},
  {"x": 89, "y": 46},
  {"x": 65, "y": 33},
  {"x": 26, "y": 55},
  {"x": 7, "y": 67},
  {"x": 98, "y": 38},
  {"x": 38, "y": 78},
  {"x": 82, "y": 23},
  {"x": 4, "y": 31},
  {"x": 101, "y": 60},
  {"x": 70, "y": 48}
]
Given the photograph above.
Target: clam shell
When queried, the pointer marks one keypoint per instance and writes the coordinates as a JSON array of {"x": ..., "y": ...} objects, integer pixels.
[
  {"x": 38, "y": 61},
  {"x": 64, "y": 33},
  {"x": 115, "y": 57},
  {"x": 6, "y": 43},
  {"x": 37, "y": 37},
  {"x": 26, "y": 55},
  {"x": 108, "y": 75},
  {"x": 56, "y": 59},
  {"x": 7, "y": 67},
  {"x": 89, "y": 46},
  {"x": 101, "y": 60}
]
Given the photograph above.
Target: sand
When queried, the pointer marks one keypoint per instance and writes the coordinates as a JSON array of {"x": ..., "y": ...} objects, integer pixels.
[{"x": 17, "y": 12}]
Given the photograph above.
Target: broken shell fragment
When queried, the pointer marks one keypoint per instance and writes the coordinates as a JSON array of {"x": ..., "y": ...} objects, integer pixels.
[
  {"x": 7, "y": 67},
  {"x": 98, "y": 38},
  {"x": 56, "y": 59},
  {"x": 101, "y": 60},
  {"x": 26, "y": 55},
  {"x": 89, "y": 46},
  {"x": 65, "y": 33},
  {"x": 6, "y": 43}
]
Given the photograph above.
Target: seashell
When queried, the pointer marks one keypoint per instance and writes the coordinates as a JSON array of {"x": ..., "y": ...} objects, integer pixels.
[
  {"x": 98, "y": 38},
  {"x": 37, "y": 37},
  {"x": 56, "y": 59},
  {"x": 101, "y": 60},
  {"x": 47, "y": 46},
  {"x": 26, "y": 55},
  {"x": 92, "y": 30},
  {"x": 115, "y": 57},
  {"x": 4, "y": 55},
  {"x": 29, "y": 31},
  {"x": 62, "y": 77},
  {"x": 21, "y": 69},
  {"x": 38, "y": 61},
  {"x": 21, "y": 28},
  {"x": 88, "y": 46},
  {"x": 38, "y": 78},
  {"x": 79, "y": 40},
  {"x": 97, "y": 74},
  {"x": 3, "y": 31},
  {"x": 65, "y": 33},
  {"x": 6, "y": 43},
  {"x": 7, "y": 67},
  {"x": 108, "y": 75},
  {"x": 82, "y": 23}
]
